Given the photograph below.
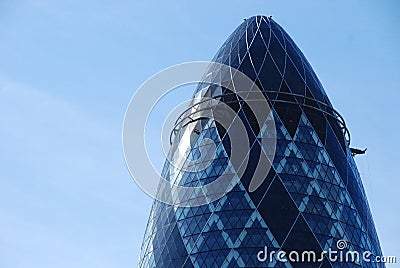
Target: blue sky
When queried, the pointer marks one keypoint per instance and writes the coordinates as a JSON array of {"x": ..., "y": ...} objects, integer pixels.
[{"x": 69, "y": 68}]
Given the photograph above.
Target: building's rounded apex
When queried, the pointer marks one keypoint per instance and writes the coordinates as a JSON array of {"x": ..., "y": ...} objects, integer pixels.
[{"x": 258, "y": 17}]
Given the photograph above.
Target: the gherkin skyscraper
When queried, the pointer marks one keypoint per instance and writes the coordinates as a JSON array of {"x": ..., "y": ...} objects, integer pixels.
[{"x": 311, "y": 198}]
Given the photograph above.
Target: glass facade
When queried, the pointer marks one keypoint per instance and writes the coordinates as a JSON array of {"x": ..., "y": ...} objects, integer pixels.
[{"x": 313, "y": 195}]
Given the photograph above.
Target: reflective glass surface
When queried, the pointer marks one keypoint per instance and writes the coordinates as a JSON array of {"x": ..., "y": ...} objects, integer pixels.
[{"x": 312, "y": 197}]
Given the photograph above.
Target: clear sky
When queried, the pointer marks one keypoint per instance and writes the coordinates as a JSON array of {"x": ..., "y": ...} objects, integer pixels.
[{"x": 69, "y": 68}]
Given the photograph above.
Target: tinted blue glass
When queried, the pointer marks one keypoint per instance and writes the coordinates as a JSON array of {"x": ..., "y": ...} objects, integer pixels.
[{"x": 311, "y": 198}]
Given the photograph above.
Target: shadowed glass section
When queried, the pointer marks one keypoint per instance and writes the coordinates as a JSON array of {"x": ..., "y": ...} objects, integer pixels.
[{"x": 312, "y": 197}]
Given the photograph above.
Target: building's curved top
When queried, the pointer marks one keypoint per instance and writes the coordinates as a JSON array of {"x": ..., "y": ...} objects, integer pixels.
[{"x": 260, "y": 48}]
